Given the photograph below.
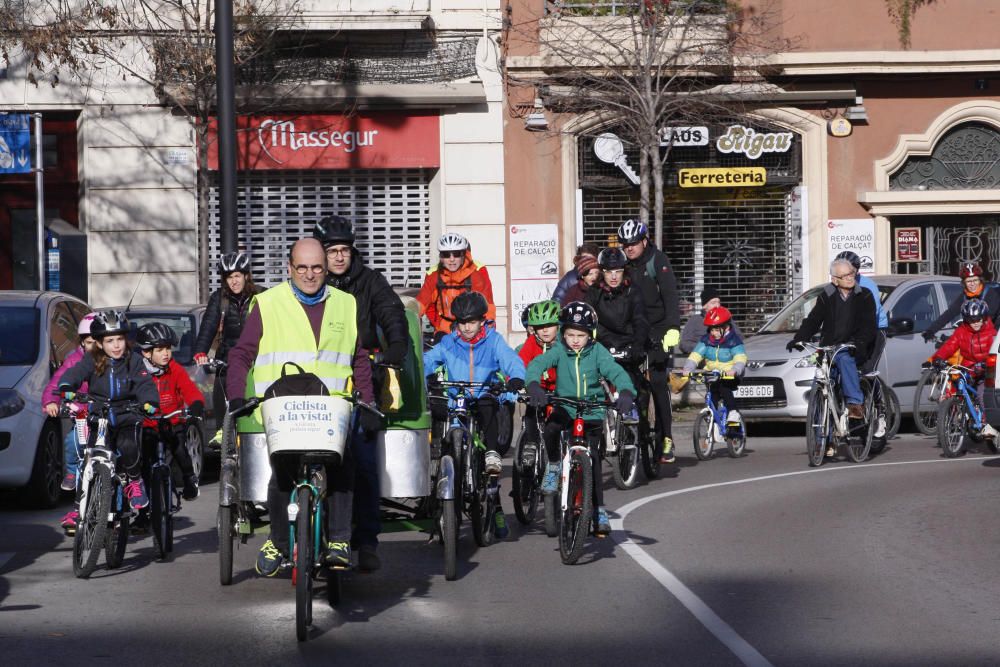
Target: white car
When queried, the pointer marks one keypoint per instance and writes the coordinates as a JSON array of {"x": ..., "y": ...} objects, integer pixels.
[{"x": 39, "y": 329}]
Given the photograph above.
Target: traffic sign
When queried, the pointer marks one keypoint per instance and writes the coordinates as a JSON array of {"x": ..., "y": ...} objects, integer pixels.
[{"x": 15, "y": 143}]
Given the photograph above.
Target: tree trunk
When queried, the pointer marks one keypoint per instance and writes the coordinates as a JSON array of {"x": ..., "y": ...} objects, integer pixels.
[
  {"x": 643, "y": 185},
  {"x": 657, "y": 165}
]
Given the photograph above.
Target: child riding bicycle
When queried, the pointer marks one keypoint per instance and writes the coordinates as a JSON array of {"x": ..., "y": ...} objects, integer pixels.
[
  {"x": 542, "y": 323},
  {"x": 972, "y": 338},
  {"x": 156, "y": 341},
  {"x": 581, "y": 363},
  {"x": 721, "y": 349},
  {"x": 112, "y": 373},
  {"x": 476, "y": 352}
]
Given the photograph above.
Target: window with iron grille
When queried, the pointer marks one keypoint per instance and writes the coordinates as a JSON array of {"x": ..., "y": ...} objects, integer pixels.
[{"x": 390, "y": 209}]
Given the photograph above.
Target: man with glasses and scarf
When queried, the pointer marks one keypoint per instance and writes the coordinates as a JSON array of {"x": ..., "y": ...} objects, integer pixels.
[{"x": 844, "y": 313}]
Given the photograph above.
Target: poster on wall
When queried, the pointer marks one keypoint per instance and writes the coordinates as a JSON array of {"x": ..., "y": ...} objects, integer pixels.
[
  {"x": 908, "y": 246},
  {"x": 857, "y": 235},
  {"x": 534, "y": 267}
]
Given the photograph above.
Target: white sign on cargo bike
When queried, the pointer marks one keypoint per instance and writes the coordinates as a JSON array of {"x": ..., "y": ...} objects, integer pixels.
[{"x": 306, "y": 424}]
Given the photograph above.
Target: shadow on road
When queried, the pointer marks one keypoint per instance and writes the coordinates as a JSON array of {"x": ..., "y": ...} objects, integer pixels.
[{"x": 23, "y": 544}]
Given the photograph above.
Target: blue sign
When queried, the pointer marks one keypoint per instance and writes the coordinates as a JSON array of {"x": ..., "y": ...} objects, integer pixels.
[{"x": 15, "y": 143}]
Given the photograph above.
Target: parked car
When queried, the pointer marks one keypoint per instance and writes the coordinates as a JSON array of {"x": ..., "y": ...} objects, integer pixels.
[
  {"x": 185, "y": 320},
  {"x": 38, "y": 332},
  {"x": 776, "y": 384}
]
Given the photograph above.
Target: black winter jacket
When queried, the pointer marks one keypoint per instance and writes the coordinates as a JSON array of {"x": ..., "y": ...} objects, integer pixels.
[
  {"x": 842, "y": 321},
  {"x": 236, "y": 315},
  {"x": 124, "y": 380},
  {"x": 378, "y": 305},
  {"x": 659, "y": 292},
  {"x": 621, "y": 316}
]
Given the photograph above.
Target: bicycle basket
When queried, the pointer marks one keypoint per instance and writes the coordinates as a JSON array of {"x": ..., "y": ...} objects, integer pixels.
[{"x": 306, "y": 424}]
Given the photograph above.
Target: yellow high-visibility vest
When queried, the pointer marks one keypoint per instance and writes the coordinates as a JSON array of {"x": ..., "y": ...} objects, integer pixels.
[{"x": 288, "y": 336}]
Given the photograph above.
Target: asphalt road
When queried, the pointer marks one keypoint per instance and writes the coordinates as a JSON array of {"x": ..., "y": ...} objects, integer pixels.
[{"x": 760, "y": 560}]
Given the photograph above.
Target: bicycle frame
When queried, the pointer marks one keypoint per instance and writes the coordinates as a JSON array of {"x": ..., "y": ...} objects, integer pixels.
[
  {"x": 577, "y": 443},
  {"x": 719, "y": 412},
  {"x": 824, "y": 382},
  {"x": 959, "y": 378}
]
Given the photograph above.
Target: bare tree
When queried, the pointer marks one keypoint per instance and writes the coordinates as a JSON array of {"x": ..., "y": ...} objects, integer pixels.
[
  {"x": 167, "y": 44},
  {"x": 650, "y": 64}
]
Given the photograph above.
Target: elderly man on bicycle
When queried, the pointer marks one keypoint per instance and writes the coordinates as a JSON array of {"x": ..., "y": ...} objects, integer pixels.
[
  {"x": 844, "y": 313},
  {"x": 305, "y": 321}
]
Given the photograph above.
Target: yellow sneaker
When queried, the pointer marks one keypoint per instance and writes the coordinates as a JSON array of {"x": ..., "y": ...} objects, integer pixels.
[{"x": 668, "y": 451}]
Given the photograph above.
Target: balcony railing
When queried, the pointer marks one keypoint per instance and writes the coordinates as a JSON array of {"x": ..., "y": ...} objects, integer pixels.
[{"x": 627, "y": 7}]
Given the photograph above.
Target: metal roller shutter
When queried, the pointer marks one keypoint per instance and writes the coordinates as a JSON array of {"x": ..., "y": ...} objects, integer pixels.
[{"x": 390, "y": 209}]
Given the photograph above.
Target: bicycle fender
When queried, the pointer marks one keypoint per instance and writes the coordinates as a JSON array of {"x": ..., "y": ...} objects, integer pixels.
[
  {"x": 228, "y": 494},
  {"x": 446, "y": 479}
]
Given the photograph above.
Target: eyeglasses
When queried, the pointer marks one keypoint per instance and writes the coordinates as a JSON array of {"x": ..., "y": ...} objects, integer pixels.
[
  {"x": 454, "y": 254},
  {"x": 303, "y": 269},
  {"x": 339, "y": 252},
  {"x": 972, "y": 280},
  {"x": 632, "y": 245},
  {"x": 843, "y": 276}
]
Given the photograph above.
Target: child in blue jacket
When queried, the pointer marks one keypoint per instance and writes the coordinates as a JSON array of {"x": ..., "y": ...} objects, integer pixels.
[{"x": 474, "y": 352}]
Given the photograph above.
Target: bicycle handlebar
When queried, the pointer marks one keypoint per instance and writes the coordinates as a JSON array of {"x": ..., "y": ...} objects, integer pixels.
[
  {"x": 101, "y": 402},
  {"x": 581, "y": 402},
  {"x": 253, "y": 402},
  {"x": 705, "y": 376}
]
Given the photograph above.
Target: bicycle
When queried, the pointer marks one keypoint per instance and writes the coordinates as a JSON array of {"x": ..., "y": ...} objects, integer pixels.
[
  {"x": 649, "y": 449},
  {"x": 932, "y": 388},
  {"x": 711, "y": 426},
  {"x": 164, "y": 499},
  {"x": 960, "y": 416},
  {"x": 476, "y": 491},
  {"x": 620, "y": 444},
  {"x": 529, "y": 466},
  {"x": 827, "y": 423},
  {"x": 571, "y": 523},
  {"x": 104, "y": 512}
]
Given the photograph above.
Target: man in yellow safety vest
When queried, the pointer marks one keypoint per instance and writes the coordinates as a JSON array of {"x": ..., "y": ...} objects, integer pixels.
[{"x": 304, "y": 321}]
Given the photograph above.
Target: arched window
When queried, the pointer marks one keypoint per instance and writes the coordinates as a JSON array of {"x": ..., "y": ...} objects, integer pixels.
[{"x": 966, "y": 158}]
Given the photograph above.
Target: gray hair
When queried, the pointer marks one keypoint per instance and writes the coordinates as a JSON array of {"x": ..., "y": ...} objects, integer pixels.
[{"x": 844, "y": 262}]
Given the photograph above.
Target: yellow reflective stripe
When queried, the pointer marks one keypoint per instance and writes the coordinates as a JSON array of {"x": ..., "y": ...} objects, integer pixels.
[{"x": 324, "y": 356}]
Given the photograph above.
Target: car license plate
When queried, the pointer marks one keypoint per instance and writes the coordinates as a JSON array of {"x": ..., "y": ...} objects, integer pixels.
[{"x": 755, "y": 391}]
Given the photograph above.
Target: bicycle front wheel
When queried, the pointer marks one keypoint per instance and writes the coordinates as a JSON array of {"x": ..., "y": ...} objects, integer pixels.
[
  {"x": 481, "y": 505},
  {"x": 819, "y": 428},
  {"x": 650, "y": 451},
  {"x": 303, "y": 565},
  {"x": 449, "y": 536},
  {"x": 159, "y": 509},
  {"x": 115, "y": 542},
  {"x": 575, "y": 520},
  {"x": 702, "y": 435},
  {"x": 93, "y": 526},
  {"x": 952, "y": 427},
  {"x": 625, "y": 462},
  {"x": 524, "y": 481},
  {"x": 859, "y": 439},
  {"x": 927, "y": 400}
]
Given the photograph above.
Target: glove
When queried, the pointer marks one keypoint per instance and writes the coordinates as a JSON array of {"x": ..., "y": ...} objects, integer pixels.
[
  {"x": 979, "y": 368},
  {"x": 938, "y": 364},
  {"x": 69, "y": 395},
  {"x": 928, "y": 336},
  {"x": 197, "y": 409},
  {"x": 149, "y": 409},
  {"x": 432, "y": 380},
  {"x": 237, "y": 404},
  {"x": 201, "y": 358},
  {"x": 515, "y": 384},
  {"x": 636, "y": 354},
  {"x": 436, "y": 338},
  {"x": 927, "y": 364},
  {"x": 370, "y": 422},
  {"x": 394, "y": 353},
  {"x": 537, "y": 396},
  {"x": 793, "y": 345},
  {"x": 670, "y": 339},
  {"x": 625, "y": 402}
]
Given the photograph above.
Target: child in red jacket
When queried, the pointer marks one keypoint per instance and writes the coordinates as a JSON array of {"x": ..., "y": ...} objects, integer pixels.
[
  {"x": 157, "y": 340},
  {"x": 972, "y": 338},
  {"x": 541, "y": 319}
]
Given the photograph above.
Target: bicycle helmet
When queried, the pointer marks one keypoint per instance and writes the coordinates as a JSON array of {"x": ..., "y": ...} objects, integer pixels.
[
  {"x": 452, "y": 241},
  {"x": 851, "y": 257},
  {"x": 469, "y": 306},
  {"x": 975, "y": 309},
  {"x": 108, "y": 323},
  {"x": 334, "y": 230},
  {"x": 611, "y": 259},
  {"x": 524, "y": 316},
  {"x": 543, "y": 313},
  {"x": 155, "y": 334},
  {"x": 234, "y": 261},
  {"x": 718, "y": 317},
  {"x": 969, "y": 269},
  {"x": 632, "y": 231},
  {"x": 84, "y": 328},
  {"x": 579, "y": 315}
]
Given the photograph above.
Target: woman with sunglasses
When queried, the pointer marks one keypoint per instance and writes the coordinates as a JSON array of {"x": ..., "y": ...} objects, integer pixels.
[{"x": 456, "y": 273}]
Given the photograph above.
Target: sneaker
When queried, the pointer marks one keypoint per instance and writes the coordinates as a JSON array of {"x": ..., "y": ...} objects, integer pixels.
[
  {"x": 69, "y": 482},
  {"x": 603, "y": 527},
  {"x": 501, "y": 524},
  {"x": 269, "y": 559},
  {"x": 550, "y": 483},
  {"x": 668, "y": 451},
  {"x": 217, "y": 438},
  {"x": 831, "y": 452},
  {"x": 191, "y": 490},
  {"x": 734, "y": 418},
  {"x": 68, "y": 522},
  {"x": 880, "y": 427},
  {"x": 494, "y": 463},
  {"x": 631, "y": 417},
  {"x": 135, "y": 491},
  {"x": 989, "y": 432},
  {"x": 368, "y": 560},
  {"x": 338, "y": 555}
]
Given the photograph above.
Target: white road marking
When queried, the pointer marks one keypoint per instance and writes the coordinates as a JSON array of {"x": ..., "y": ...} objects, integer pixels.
[
  {"x": 5, "y": 558},
  {"x": 722, "y": 631}
]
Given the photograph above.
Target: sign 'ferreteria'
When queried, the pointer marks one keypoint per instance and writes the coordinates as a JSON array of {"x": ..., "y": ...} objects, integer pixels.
[
  {"x": 734, "y": 177},
  {"x": 745, "y": 140}
]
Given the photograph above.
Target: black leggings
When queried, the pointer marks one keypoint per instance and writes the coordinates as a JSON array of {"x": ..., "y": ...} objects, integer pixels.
[
  {"x": 660, "y": 389},
  {"x": 173, "y": 440},
  {"x": 125, "y": 440},
  {"x": 559, "y": 421},
  {"x": 723, "y": 392},
  {"x": 486, "y": 409}
]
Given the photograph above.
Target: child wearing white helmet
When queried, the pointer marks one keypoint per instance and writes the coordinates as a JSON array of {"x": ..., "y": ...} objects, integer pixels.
[{"x": 456, "y": 273}]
